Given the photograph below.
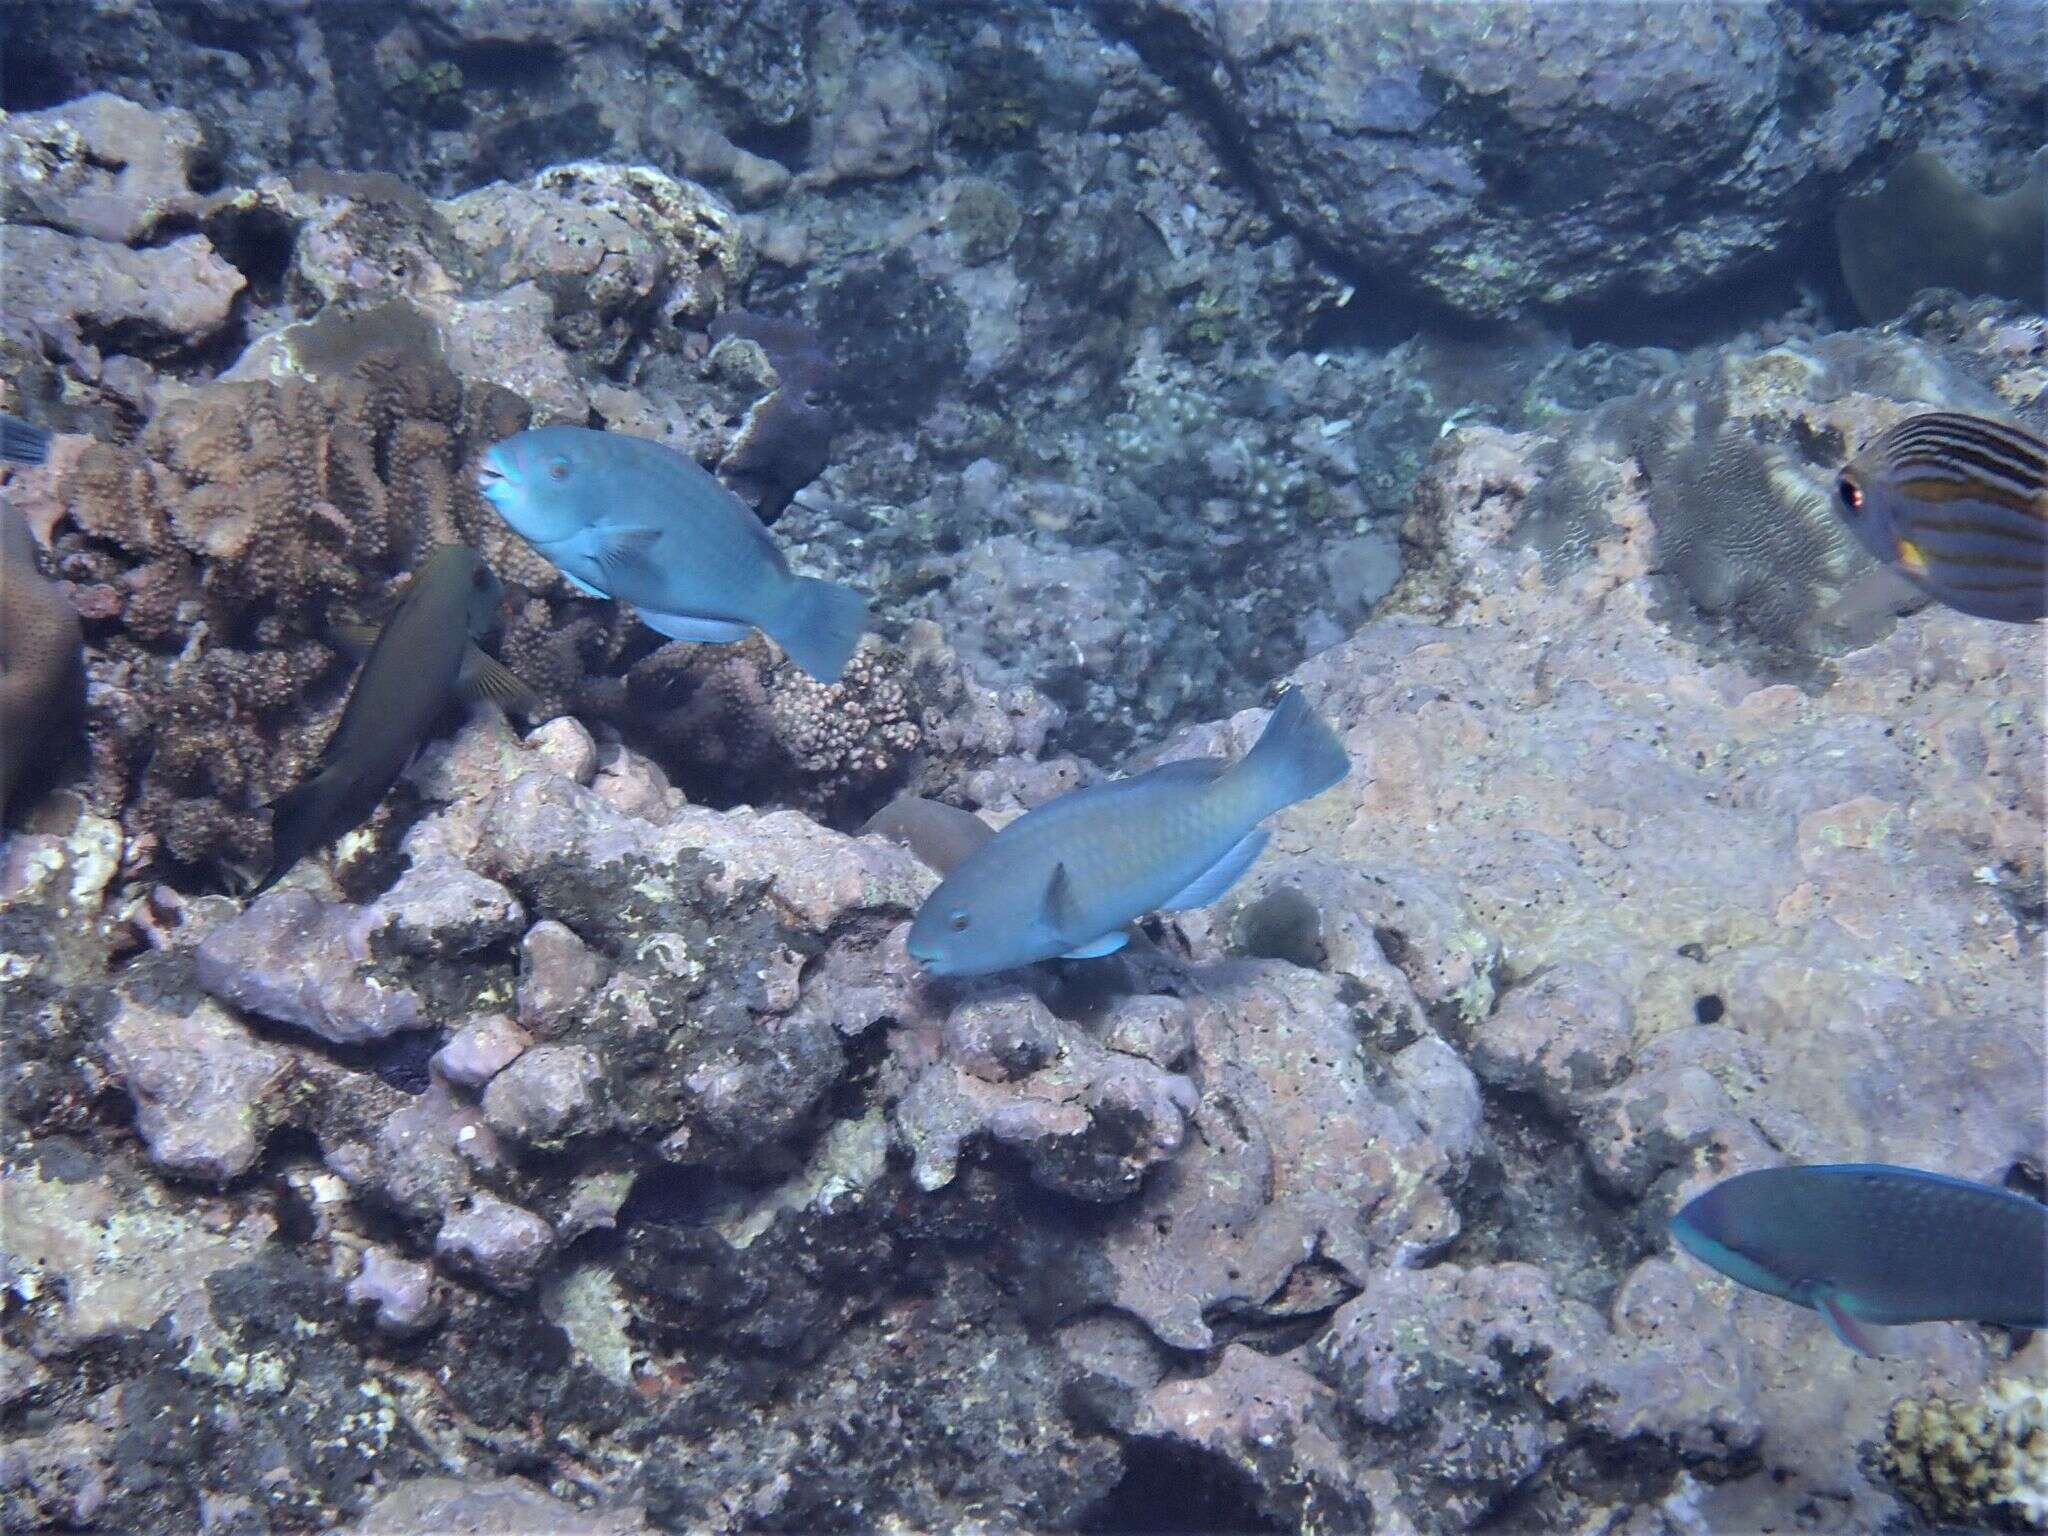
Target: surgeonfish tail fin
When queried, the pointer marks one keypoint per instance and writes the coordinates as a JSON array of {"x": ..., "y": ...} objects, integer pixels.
[
  {"x": 297, "y": 820},
  {"x": 1296, "y": 756},
  {"x": 819, "y": 625},
  {"x": 22, "y": 442}
]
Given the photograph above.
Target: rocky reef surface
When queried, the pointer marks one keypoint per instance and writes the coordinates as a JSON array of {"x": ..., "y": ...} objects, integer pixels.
[{"x": 577, "y": 1149}]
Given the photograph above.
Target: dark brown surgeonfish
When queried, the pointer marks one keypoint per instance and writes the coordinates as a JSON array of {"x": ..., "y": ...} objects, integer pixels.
[
  {"x": 22, "y": 442},
  {"x": 425, "y": 654},
  {"x": 42, "y": 664},
  {"x": 1958, "y": 505}
]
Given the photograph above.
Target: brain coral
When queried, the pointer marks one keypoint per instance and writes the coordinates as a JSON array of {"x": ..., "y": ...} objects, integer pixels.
[{"x": 214, "y": 556}]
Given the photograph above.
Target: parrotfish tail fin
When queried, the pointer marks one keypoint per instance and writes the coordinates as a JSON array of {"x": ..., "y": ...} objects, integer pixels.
[
  {"x": 297, "y": 826},
  {"x": 1846, "y": 1328},
  {"x": 1296, "y": 756},
  {"x": 22, "y": 442},
  {"x": 819, "y": 625}
]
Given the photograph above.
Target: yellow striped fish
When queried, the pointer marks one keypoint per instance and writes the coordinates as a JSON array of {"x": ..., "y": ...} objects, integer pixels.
[{"x": 1958, "y": 505}]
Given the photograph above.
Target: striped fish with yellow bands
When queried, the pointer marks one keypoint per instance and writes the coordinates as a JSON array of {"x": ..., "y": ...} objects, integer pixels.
[{"x": 1958, "y": 505}]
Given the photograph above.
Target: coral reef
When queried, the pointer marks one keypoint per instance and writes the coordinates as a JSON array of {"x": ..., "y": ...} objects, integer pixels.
[{"x": 215, "y": 558}]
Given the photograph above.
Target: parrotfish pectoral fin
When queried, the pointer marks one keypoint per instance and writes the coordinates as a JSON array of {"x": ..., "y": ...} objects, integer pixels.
[
  {"x": 585, "y": 587},
  {"x": 1057, "y": 911},
  {"x": 1218, "y": 877},
  {"x": 684, "y": 626},
  {"x": 1846, "y": 1328},
  {"x": 1109, "y": 944},
  {"x": 617, "y": 548},
  {"x": 482, "y": 677}
]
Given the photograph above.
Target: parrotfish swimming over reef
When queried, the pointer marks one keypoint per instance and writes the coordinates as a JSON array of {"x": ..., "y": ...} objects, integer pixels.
[
  {"x": 630, "y": 519},
  {"x": 425, "y": 654},
  {"x": 1869, "y": 1243},
  {"x": 22, "y": 442},
  {"x": 1958, "y": 505},
  {"x": 1065, "y": 878}
]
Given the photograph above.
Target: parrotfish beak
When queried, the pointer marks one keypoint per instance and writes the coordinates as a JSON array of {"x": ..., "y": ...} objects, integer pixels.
[{"x": 490, "y": 475}]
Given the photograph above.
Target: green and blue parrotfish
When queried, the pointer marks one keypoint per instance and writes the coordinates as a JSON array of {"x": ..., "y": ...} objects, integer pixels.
[
  {"x": 1958, "y": 505},
  {"x": 1066, "y": 878},
  {"x": 1867, "y": 1243},
  {"x": 424, "y": 655},
  {"x": 625, "y": 518}
]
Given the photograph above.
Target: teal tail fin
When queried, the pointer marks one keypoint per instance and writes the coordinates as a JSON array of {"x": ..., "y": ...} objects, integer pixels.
[
  {"x": 819, "y": 625},
  {"x": 1296, "y": 756}
]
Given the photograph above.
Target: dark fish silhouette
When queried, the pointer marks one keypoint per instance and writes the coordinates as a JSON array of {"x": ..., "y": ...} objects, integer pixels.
[
  {"x": 22, "y": 442},
  {"x": 42, "y": 663},
  {"x": 424, "y": 654}
]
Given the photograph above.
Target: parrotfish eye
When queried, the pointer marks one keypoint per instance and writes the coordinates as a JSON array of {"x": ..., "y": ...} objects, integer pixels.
[
  {"x": 558, "y": 469},
  {"x": 1851, "y": 493},
  {"x": 958, "y": 922}
]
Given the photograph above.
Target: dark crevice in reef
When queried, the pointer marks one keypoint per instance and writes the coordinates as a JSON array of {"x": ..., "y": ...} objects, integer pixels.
[
  {"x": 1167, "y": 1488},
  {"x": 1531, "y": 1198}
]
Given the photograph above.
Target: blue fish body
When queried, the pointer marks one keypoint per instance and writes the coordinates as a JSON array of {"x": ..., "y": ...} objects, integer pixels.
[
  {"x": 633, "y": 520},
  {"x": 1870, "y": 1243},
  {"x": 1066, "y": 878}
]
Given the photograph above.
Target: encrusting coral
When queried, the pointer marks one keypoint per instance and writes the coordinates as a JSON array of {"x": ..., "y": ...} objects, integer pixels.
[
  {"x": 1981, "y": 1463},
  {"x": 215, "y": 557}
]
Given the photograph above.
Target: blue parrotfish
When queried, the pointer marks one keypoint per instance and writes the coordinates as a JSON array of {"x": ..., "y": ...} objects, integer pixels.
[
  {"x": 625, "y": 518},
  {"x": 1958, "y": 505},
  {"x": 1868, "y": 1243},
  {"x": 1065, "y": 879},
  {"x": 425, "y": 654}
]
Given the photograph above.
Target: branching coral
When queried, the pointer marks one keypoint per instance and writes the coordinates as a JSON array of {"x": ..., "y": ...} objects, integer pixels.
[
  {"x": 1982, "y": 1463},
  {"x": 215, "y": 556}
]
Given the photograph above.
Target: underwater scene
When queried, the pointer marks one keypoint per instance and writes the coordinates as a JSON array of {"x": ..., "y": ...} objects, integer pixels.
[{"x": 1124, "y": 766}]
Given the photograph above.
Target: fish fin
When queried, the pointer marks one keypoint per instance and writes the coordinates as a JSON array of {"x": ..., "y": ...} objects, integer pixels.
[
  {"x": 943, "y": 836},
  {"x": 1108, "y": 944},
  {"x": 819, "y": 624},
  {"x": 355, "y": 641},
  {"x": 616, "y": 548},
  {"x": 684, "y": 626},
  {"x": 1846, "y": 1328},
  {"x": 583, "y": 586},
  {"x": 1057, "y": 911},
  {"x": 1220, "y": 876},
  {"x": 1296, "y": 756},
  {"x": 482, "y": 677},
  {"x": 296, "y": 827},
  {"x": 22, "y": 442}
]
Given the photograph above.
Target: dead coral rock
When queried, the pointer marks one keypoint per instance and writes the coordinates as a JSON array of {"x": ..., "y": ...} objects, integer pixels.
[
  {"x": 441, "y": 908},
  {"x": 617, "y": 249},
  {"x": 498, "y": 1242},
  {"x": 1297, "y": 1151},
  {"x": 157, "y": 301},
  {"x": 557, "y": 973},
  {"x": 878, "y": 122},
  {"x": 403, "y": 1295},
  {"x": 306, "y": 962},
  {"x": 1483, "y": 1375},
  {"x": 548, "y": 1096},
  {"x": 480, "y": 1050},
  {"x": 99, "y": 166},
  {"x": 1088, "y": 1121},
  {"x": 446, "y": 1506},
  {"x": 204, "y": 1090}
]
